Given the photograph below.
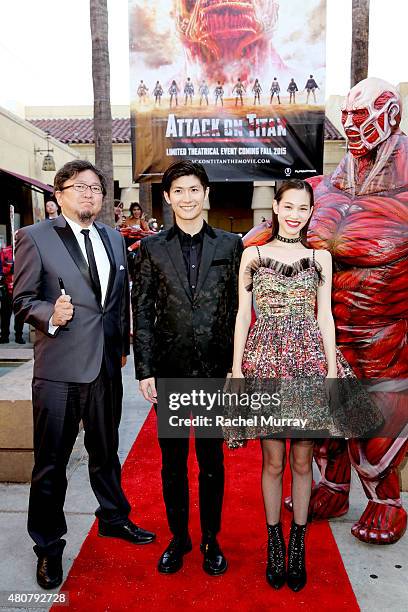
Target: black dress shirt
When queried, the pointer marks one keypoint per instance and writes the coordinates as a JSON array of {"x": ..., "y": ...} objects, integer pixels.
[{"x": 192, "y": 248}]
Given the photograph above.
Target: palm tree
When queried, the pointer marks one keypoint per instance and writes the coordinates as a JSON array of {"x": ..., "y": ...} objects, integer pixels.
[
  {"x": 102, "y": 107},
  {"x": 360, "y": 34}
]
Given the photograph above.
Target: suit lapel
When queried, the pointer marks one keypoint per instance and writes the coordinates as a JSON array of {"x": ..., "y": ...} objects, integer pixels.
[
  {"x": 209, "y": 246},
  {"x": 108, "y": 248},
  {"x": 176, "y": 257},
  {"x": 67, "y": 236}
]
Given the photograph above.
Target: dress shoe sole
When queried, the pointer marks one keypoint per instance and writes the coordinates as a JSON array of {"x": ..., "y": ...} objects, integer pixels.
[
  {"x": 131, "y": 541},
  {"x": 50, "y": 585},
  {"x": 174, "y": 570},
  {"x": 211, "y": 572}
]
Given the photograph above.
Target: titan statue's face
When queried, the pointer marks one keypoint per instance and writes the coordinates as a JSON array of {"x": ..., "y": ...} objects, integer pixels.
[
  {"x": 369, "y": 115},
  {"x": 213, "y": 23}
]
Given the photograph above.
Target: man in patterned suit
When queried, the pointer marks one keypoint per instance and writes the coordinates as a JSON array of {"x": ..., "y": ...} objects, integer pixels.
[{"x": 184, "y": 306}]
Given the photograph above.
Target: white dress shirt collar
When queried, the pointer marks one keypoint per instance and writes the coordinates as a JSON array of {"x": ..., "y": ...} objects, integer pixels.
[
  {"x": 101, "y": 256},
  {"x": 77, "y": 229}
]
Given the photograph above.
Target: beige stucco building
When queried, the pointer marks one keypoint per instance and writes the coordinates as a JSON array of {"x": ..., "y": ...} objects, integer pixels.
[{"x": 23, "y": 183}]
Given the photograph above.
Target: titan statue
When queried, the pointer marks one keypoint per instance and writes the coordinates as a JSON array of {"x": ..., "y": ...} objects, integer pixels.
[{"x": 361, "y": 217}]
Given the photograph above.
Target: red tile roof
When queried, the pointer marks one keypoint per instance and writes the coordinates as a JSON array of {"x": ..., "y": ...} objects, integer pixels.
[
  {"x": 331, "y": 132},
  {"x": 80, "y": 131}
]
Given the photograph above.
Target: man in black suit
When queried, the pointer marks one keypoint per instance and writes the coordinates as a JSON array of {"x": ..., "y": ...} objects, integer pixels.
[
  {"x": 185, "y": 295},
  {"x": 71, "y": 285}
]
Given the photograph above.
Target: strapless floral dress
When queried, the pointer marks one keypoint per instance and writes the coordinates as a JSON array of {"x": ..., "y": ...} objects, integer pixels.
[{"x": 284, "y": 353}]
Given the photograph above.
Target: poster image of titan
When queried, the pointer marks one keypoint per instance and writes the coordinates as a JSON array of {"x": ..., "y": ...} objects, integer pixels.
[{"x": 237, "y": 85}]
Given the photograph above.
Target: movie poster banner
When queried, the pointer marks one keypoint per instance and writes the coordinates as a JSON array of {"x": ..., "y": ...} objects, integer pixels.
[{"x": 237, "y": 85}]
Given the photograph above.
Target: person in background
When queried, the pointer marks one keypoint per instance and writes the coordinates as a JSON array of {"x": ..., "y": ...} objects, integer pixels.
[
  {"x": 6, "y": 298},
  {"x": 136, "y": 218},
  {"x": 118, "y": 210},
  {"x": 51, "y": 209}
]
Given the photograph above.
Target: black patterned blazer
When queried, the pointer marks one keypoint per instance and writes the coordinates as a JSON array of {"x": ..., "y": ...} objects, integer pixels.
[{"x": 177, "y": 333}]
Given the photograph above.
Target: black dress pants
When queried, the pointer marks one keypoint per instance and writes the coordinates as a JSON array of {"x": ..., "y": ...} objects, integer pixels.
[
  {"x": 6, "y": 309},
  {"x": 210, "y": 459},
  {"x": 58, "y": 408}
]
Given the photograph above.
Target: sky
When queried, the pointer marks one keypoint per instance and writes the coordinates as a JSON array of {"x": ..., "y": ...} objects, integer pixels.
[{"x": 45, "y": 49}]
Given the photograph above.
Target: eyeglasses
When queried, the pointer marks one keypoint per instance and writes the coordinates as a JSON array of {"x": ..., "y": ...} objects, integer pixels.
[{"x": 82, "y": 187}]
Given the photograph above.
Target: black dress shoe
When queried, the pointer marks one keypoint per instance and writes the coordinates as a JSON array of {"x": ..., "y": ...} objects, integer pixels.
[
  {"x": 49, "y": 565},
  {"x": 20, "y": 340},
  {"x": 4, "y": 340},
  {"x": 128, "y": 531},
  {"x": 171, "y": 560},
  {"x": 49, "y": 571},
  {"x": 214, "y": 561}
]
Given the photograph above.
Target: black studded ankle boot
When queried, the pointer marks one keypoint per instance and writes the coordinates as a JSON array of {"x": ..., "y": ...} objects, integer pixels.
[
  {"x": 296, "y": 557},
  {"x": 276, "y": 567}
]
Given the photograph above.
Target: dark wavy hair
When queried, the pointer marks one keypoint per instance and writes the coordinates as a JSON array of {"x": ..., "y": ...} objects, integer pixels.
[
  {"x": 286, "y": 186},
  {"x": 184, "y": 168},
  {"x": 135, "y": 205},
  {"x": 72, "y": 168}
]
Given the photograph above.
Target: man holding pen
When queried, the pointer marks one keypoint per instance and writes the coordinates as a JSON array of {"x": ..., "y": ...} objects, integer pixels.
[{"x": 71, "y": 284}]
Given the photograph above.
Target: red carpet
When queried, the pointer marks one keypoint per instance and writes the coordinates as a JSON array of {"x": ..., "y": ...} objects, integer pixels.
[{"x": 114, "y": 575}]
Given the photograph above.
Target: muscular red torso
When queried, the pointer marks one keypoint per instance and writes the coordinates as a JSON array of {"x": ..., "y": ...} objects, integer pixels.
[{"x": 367, "y": 235}]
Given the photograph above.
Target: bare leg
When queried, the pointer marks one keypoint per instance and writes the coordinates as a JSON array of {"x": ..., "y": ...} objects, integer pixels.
[
  {"x": 273, "y": 466},
  {"x": 301, "y": 455}
]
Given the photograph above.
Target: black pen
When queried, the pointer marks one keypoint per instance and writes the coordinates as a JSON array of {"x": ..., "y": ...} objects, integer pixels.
[
  {"x": 63, "y": 292},
  {"x": 62, "y": 286}
]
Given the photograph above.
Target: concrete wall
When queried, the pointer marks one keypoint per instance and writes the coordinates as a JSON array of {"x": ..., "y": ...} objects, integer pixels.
[{"x": 332, "y": 154}]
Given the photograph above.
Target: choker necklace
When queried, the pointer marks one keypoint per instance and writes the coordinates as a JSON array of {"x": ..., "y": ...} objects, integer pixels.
[{"x": 288, "y": 240}]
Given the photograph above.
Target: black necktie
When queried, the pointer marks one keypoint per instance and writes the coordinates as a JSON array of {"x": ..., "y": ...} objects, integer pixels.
[{"x": 93, "y": 270}]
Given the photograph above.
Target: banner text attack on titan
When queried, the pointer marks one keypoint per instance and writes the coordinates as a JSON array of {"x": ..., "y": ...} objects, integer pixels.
[{"x": 237, "y": 85}]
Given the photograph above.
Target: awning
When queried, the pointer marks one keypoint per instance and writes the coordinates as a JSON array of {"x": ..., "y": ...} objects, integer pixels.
[{"x": 32, "y": 183}]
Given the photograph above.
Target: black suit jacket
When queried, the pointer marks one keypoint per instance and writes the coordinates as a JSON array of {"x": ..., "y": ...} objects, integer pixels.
[
  {"x": 49, "y": 250},
  {"x": 177, "y": 333}
]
